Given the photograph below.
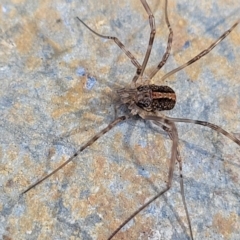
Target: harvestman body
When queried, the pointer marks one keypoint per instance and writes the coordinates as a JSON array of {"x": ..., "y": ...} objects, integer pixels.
[{"x": 147, "y": 100}]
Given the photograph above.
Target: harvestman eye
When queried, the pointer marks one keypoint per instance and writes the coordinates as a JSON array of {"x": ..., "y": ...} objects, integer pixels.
[{"x": 147, "y": 101}]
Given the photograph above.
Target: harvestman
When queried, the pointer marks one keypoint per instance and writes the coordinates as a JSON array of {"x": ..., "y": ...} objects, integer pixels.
[{"x": 147, "y": 100}]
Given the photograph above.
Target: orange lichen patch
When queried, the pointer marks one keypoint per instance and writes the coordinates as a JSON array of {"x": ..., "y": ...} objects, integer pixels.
[
  {"x": 18, "y": 1},
  {"x": 66, "y": 172},
  {"x": 73, "y": 192},
  {"x": 140, "y": 187},
  {"x": 231, "y": 170},
  {"x": 61, "y": 111},
  {"x": 221, "y": 68},
  {"x": 98, "y": 22},
  {"x": 4, "y": 170},
  {"x": 105, "y": 204},
  {"x": 45, "y": 12},
  {"x": 180, "y": 35},
  {"x": 235, "y": 36},
  {"x": 89, "y": 116},
  {"x": 117, "y": 140},
  {"x": 68, "y": 169},
  {"x": 126, "y": 206},
  {"x": 21, "y": 114},
  {"x": 226, "y": 2},
  {"x": 55, "y": 194},
  {"x": 28, "y": 115},
  {"x": 104, "y": 69},
  {"x": 118, "y": 137},
  {"x": 72, "y": 99},
  {"x": 13, "y": 153},
  {"x": 99, "y": 165},
  {"x": 33, "y": 62},
  {"x": 36, "y": 212},
  {"x": 20, "y": 179},
  {"x": 24, "y": 41},
  {"x": 74, "y": 64},
  {"x": 225, "y": 225},
  {"x": 27, "y": 162},
  {"x": 157, "y": 153},
  {"x": 56, "y": 47},
  {"x": 36, "y": 170},
  {"x": 229, "y": 107},
  {"x": 30, "y": 29},
  {"x": 80, "y": 208},
  {"x": 140, "y": 230},
  {"x": 93, "y": 198}
]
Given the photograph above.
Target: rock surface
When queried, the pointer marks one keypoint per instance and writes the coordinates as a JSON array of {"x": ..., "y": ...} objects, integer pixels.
[{"x": 58, "y": 84}]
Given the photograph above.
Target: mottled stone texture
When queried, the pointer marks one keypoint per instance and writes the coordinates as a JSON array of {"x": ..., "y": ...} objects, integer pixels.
[{"x": 57, "y": 90}]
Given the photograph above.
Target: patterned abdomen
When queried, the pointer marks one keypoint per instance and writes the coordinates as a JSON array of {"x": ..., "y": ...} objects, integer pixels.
[{"x": 155, "y": 98}]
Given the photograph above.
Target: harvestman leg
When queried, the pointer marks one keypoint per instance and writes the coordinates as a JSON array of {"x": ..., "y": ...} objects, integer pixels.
[
  {"x": 179, "y": 159},
  {"x": 117, "y": 41},
  {"x": 197, "y": 57},
  {"x": 88, "y": 144},
  {"x": 174, "y": 154},
  {"x": 165, "y": 119},
  {"x": 168, "y": 125},
  {"x": 209, "y": 125},
  {"x": 141, "y": 68},
  {"x": 169, "y": 45},
  {"x": 140, "y": 72}
]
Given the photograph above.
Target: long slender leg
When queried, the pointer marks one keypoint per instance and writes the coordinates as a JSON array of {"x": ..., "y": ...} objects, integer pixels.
[
  {"x": 117, "y": 41},
  {"x": 165, "y": 120},
  {"x": 140, "y": 71},
  {"x": 152, "y": 35},
  {"x": 209, "y": 125},
  {"x": 201, "y": 54},
  {"x": 179, "y": 159},
  {"x": 169, "y": 45},
  {"x": 89, "y": 143},
  {"x": 174, "y": 132}
]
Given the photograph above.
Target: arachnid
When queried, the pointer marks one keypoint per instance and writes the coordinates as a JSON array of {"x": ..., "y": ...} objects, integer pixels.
[{"x": 147, "y": 100}]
